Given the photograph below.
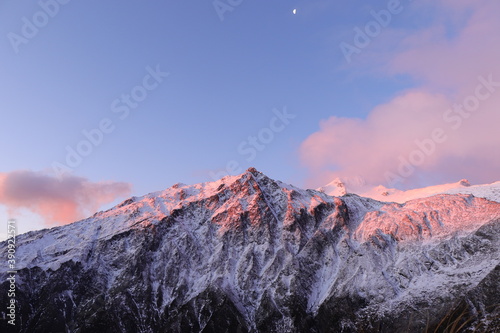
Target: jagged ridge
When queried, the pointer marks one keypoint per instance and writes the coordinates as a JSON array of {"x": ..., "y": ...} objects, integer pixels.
[{"x": 247, "y": 253}]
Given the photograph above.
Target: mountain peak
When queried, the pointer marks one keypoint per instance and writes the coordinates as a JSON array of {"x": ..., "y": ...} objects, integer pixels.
[
  {"x": 254, "y": 253},
  {"x": 464, "y": 182},
  {"x": 252, "y": 170},
  {"x": 334, "y": 188}
]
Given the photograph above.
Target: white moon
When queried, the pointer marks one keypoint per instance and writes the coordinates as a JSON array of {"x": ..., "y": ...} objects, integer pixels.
[{"x": 294, "y": 11}]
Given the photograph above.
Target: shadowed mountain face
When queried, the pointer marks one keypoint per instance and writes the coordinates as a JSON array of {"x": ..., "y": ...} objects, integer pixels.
[{"x": 250, "y": 254}]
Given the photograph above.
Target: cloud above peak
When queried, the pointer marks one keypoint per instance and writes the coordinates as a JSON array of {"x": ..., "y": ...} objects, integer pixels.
[
  {"x": 442, "y": 130},
  {"x": 57, "y": 200}
]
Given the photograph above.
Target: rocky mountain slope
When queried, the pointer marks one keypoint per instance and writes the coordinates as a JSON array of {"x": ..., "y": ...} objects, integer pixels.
[{"x": 250, "y": 254}]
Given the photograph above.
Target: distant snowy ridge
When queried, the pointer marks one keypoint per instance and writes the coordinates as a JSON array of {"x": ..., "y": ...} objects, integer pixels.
[{"x": 339, "y": 187}]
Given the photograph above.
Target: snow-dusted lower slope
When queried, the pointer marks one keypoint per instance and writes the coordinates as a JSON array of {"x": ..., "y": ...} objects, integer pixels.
[{"x": 250, "y": 254}]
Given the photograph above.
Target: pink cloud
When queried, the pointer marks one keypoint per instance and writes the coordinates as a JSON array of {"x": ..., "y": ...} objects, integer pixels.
[
  {"x": 404, "y": 129},
  {"x": 57, "y": 200},
  {"x": 369, "y": 148},
  {"x": 374, "y": 147}
]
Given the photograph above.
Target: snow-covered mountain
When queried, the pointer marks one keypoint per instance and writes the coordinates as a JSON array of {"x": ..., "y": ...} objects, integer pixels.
[
  {"x": 338, "y": 187},
  {"x": 251, "y": 254}
]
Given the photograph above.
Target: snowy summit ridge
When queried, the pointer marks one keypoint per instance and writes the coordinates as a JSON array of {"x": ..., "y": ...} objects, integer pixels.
[
  {"x": 339, "y": 187},
  {"x": 250, "y": 254}
]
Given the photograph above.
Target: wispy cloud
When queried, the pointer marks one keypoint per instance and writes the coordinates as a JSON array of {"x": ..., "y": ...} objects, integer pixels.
[
  {"x": 57, "y": 200},
  {"x": 452, "y": 60},
  {"x": 453, "y": 51}
]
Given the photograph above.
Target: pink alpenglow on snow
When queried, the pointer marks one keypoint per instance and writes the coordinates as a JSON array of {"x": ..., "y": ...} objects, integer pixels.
[
  {"x": 57, "y": 201},
  {"x": 338, "y": 187}
]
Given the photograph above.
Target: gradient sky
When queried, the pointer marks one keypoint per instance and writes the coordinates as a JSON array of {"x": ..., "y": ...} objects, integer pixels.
[{"x": 227, "y": 79}]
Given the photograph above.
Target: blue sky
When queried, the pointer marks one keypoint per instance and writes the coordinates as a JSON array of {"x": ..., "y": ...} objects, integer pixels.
[{"x": 225, "y": 79}]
